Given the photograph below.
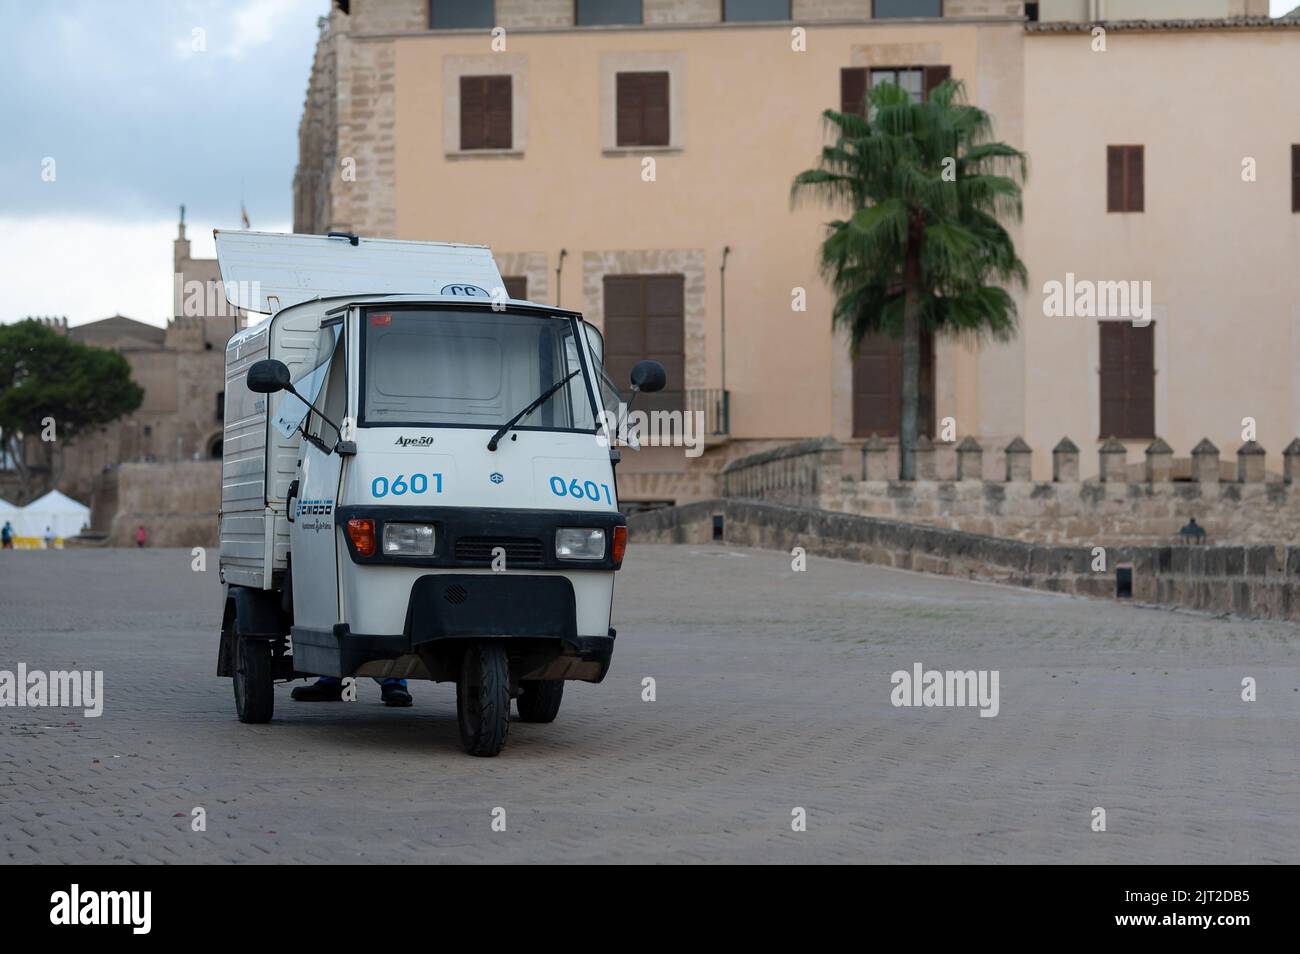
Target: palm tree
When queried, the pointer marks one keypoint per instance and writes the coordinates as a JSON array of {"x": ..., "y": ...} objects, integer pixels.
[{"x": 922, "y": 249}]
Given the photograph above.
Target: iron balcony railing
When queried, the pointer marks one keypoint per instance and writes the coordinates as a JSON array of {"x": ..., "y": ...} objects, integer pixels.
[{"x": 713, "y": 403}]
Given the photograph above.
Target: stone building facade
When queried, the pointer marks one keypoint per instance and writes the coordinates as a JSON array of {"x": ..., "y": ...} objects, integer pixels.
[{"x": 380, "y": 155}]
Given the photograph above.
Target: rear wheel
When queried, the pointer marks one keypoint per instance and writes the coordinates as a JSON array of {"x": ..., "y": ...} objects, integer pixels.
[
  {"x": 483, "y": 699},
  {"x": 254, "y": 684},
  {"x": 539, "y": 700}
]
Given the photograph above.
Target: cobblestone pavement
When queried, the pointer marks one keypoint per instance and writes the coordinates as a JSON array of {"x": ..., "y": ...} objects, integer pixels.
[{"x": 773, "y": 692}]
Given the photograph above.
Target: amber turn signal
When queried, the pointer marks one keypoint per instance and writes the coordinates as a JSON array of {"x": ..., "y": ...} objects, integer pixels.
[
  {"x": 362, "y": 535},
  {"x": 620, "y": 545}
]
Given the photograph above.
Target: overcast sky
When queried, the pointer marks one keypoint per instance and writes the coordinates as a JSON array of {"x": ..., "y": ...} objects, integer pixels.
[{"x": 139, "y": 119}]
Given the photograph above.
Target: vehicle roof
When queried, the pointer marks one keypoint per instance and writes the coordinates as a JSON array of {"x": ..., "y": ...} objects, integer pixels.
[{"x": 337, "y": 304}]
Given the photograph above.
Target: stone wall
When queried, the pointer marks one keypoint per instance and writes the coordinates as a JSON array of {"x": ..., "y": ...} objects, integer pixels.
[
  {"x": 1120, "y": 508},
  {"x": 176, "y": 502},
  {"x": 1253, "y": 581}
]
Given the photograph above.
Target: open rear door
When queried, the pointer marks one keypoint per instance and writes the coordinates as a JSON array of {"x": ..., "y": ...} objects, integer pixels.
[{"x": 267, "y": 271}]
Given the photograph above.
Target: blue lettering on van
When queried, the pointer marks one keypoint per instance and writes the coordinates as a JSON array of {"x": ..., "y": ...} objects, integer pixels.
[
  {"x": 400, "y": 485},
  {"x": 581, "y": 490}
]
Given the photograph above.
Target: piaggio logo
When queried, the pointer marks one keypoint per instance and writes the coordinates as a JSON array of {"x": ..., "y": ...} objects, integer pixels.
[
  {"x": 496, "y": 478},
  {"x": 425, "y": 441}
]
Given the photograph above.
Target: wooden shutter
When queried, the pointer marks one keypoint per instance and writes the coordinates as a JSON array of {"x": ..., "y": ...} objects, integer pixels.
[
  {"x": 1134, "y": 180},
  {"x": 1114, "y": 179},
  {"x": 1125, "y": 179},
  {"x": 516, "y": 286},
  {"x": 934, "y": 75},
  {"x": 1128, "y": 388},
  {"x": 1295, "y": 178},
  {"x": 645, "y": 318},
  {"x": 629, "y": 108},
  {"x": 1141, "y": 382},
  {"x": 473, "y": 107},
  {"x": 1114, "y": 422},
  {"x": 500, "y": 103},
  {"x": 643, "y": 115},
  {"x": 657, "y": 119},
  {"x": 878, "y": 387},
  {"x": 486, "y": 104},
  {"x": 853, "y": 89}
]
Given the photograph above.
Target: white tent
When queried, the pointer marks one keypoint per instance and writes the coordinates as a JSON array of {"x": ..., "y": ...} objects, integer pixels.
[{"x": 64, "y": 516}]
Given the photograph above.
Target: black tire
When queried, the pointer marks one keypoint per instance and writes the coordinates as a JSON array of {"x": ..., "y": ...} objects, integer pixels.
[
  {"x": 539, "y": 700},
  {"x": 254, "y": 683},
  {"x": 483, "y": 699}
]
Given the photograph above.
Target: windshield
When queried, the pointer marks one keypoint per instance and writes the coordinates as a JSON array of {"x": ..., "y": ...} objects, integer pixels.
[{"x": 472, "y": 368}]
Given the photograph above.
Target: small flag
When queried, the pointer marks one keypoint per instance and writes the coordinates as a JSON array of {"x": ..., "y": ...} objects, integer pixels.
[{"x": 243, "y": 214}]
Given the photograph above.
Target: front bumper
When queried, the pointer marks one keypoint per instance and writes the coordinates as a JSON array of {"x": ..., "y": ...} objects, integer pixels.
[{"x": 537, "y": 614}]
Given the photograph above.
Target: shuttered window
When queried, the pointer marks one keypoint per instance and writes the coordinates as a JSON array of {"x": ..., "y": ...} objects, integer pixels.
[
  {"x": 1128, "y": 380},
  {"x": 516, "y": 286},
  {"x": 645, "y": 317},
  {"x": 878, "y": 387},
  {"x": 920, "y": 81},
  {"x": 643, "y": 118},
  {"x": 1124, "y": 179},
  {"x": 1295, "y": 178},
  {"x": 736, "y": 10},
  {"x": 888, "y": 9},
  {"x": 606, "y": 12},
  {"x": 485, "y": 112},
  {"x": 461, "y": 14}
]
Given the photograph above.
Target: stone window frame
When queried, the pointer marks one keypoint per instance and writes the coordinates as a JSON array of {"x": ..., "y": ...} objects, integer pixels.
[
  {"x": 530, "y": 265},
  {"x": 687, "y": 262},
  {"x": 672, "y": 62},
  {"x": 514, "y": 65}
]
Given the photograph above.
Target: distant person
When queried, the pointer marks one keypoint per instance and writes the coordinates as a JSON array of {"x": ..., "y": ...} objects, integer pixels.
[
  {"x": 7, "y": 536},
  {"x": 140, "y": 536},
  {"x": 49, "y": 539}
]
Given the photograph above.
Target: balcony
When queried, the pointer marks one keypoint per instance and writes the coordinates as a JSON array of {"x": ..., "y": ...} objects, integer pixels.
[
  {"x": 716, "y": 407},
  {"x": 713, "y": 403}
]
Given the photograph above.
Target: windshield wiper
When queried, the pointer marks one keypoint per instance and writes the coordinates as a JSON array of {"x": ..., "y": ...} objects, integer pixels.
[{"x": 534, "y": 405}]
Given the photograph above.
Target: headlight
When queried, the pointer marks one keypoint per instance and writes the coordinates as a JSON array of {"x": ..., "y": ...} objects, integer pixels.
[
  {"x": 579, "y": 543},
  {"x": 408, "y": 539}
]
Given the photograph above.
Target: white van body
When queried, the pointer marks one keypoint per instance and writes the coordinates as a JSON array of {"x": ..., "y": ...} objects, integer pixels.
[{"x": 414, "y": 352}]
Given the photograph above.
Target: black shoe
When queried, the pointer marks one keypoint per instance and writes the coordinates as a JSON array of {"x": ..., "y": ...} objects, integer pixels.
[
  {"x": 318, "y": 692},
  {"x": 395, "y": 696}
]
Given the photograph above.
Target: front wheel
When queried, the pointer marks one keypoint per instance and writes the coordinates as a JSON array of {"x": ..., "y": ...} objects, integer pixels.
[
  {"x": 254, "y": 683},
  {"x": 539, "y": 700},
  {"x": 483, "y": 699}
]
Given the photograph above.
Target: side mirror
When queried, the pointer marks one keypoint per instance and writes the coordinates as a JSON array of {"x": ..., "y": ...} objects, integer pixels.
[
  {"x": 268, "y": 376},
  {"x": 648, "y": 376}
]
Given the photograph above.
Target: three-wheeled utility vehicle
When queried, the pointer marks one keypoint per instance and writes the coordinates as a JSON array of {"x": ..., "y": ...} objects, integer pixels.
[{"x": 417, "y": 481}]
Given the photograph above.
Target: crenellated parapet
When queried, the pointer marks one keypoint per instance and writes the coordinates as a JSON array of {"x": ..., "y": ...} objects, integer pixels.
[{"x": 1148, "y": 502}]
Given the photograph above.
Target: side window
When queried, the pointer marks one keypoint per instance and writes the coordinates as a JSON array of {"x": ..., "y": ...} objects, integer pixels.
[
  {"x": 606, "y": 390},
  {"x": 333, "y": 399}
]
